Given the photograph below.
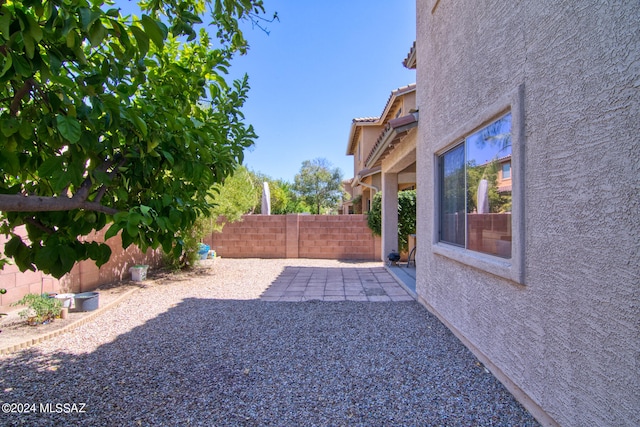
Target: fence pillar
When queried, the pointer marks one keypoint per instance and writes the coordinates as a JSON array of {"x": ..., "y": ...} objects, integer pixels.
[{"x": 292, "y": 238}]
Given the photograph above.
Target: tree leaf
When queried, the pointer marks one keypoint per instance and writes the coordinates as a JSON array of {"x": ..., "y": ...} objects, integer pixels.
[
  {"x": 69, "y": 128},
  {"x": 5, "y": 23},
  {"x": 34, "y": 29},
  {"x": 97, "y": 33},
  {"x": 112, "y": 231},
  {"x": 154, "y": 31},
  {"x": 103, "y": 256},
  {"x": 29, "y": 45},
  {"x": 7, "y": 63},
  {"x": 67, "y": 257},
  {"x": 88, "y": 17},
  {"x": 21, "y": 65},
  {"x": 46, "y": 257},
  {"x": 50, "y": 166},
  {"x": 142, "y": 39},
  {"x": 140, "y": 124},
  {"x": 9, "y": 126}
]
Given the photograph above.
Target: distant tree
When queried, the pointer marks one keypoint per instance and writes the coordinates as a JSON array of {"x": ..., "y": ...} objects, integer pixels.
[
  {"x": 319, "y": 185},
  {"x": 294, "y": 204},
  {"x": 282, "y": 197},
  {"x": 115, "y": 119},
  {"x": 232, "y": 199},
  {"x": 284, "y": 200}
]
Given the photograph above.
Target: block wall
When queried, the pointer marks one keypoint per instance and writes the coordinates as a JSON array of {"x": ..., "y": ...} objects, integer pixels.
[
  {"x": 297, "y": 236},
  {"x": 84, "y": 276}
]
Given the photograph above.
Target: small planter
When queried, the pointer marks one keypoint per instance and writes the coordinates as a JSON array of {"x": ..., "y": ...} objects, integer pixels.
[
  {"x": 138, "y": 273},
  {"x": 65, "y": 299},
  {"x": 87, "y": 301}
]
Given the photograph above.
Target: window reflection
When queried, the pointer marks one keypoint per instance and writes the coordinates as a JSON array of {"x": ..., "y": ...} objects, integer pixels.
[
  {"x": 488, "y": 193},
  {"x": 475, "y": 191}
]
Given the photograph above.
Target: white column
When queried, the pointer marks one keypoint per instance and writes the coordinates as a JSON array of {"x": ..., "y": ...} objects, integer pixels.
[{"x": 389, "y": 213}]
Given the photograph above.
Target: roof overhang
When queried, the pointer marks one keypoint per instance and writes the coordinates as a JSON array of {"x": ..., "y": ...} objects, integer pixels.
[
  {"x": 395, "y": 97},
  {"x": 410, "y": 61},
  {"x": 358, "y": 123},
  {"x": 356, "y": 126},
  {"x": 393, "y": 133},
  {"x": 364, "y": 173}
]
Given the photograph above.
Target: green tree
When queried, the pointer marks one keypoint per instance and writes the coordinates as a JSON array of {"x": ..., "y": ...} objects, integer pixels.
[
  {"x": 284, "y": 200},
  {"x": 232, "y": 199},
  {"x": 374, "y": 216},
  {"x": 113, "y": 119},
  {"x": 319, "y": 185},
  {"x": 229, "y": 201},
  {"x": 293, "y": 203},
  {"x": 406, "y": 217}
]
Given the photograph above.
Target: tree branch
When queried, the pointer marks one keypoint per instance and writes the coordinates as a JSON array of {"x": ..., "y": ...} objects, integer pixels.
[
  {"x": 83, "y": 191},
  {"x": 21, "y": 93},
  {"x": 39, "y": 225},
  {"x": 21, "y": 203}
]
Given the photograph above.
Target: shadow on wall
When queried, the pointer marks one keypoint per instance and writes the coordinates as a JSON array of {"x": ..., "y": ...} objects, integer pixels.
[
  {"x": 255, "y": 362},
  {"x": 84, "y": 276}
]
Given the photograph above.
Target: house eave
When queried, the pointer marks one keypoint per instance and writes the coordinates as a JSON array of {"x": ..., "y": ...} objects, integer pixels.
[
  {"x": 410, "y": 61},
  {"x": 355, "y": 125},
  {"x": 395, "y": 130},
  {"x": 364, "y": 173}
]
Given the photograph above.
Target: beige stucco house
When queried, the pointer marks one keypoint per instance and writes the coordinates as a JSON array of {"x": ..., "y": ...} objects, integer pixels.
[
  {"x": 542, "y": 279},
  {"x": 384, "y": 159}
]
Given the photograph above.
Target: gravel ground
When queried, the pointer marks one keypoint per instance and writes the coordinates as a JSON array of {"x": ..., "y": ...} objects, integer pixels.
[{"x": 204, "y": 350}]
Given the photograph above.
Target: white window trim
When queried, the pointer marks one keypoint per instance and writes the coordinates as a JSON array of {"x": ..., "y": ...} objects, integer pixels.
[{"x": 513, "y": 268}]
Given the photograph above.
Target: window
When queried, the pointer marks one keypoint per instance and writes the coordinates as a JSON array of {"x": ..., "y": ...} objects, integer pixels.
[
  {"x": 506, "y": 170},
  {"x": 473, "y": 213}
]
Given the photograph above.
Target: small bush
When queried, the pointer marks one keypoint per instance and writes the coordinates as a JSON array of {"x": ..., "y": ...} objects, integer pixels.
[
  {"x": 41, "y": 308},
  {"x": 406, "y": 217}
]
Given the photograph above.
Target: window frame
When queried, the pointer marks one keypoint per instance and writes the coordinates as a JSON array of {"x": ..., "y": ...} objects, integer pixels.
[{"x": 508, "y": 268}]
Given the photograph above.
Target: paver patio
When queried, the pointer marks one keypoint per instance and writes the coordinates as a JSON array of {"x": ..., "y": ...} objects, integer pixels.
[{"x": 338, "y": 284}]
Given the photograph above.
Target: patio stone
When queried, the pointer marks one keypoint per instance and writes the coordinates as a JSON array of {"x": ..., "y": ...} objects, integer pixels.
[{"x": 331, "y": 284}]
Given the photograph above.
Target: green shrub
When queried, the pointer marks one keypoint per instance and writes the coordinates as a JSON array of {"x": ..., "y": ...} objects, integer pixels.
[
  {"x": 41, "y": 308},
  {"x": 406, "y": 217},
  {"x": 190, "y": 239},
  {"x": 374, "y": 216}
]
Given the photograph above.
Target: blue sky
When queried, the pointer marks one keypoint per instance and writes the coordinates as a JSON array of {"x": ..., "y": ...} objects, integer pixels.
[{"x": 323, "y": 64}]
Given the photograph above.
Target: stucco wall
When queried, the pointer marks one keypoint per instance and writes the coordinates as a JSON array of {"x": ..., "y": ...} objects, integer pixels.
[{"x": 568, "y": 337}]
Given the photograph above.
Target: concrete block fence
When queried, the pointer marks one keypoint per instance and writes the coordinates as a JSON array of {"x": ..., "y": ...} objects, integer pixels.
[
  {"x": 256, "y": 236},
  {"x": 297, "y": 236},
  {"x": 84, "y": 276}
]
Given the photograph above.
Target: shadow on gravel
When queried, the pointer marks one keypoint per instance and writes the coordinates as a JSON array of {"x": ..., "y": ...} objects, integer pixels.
[{"x": 228, "y": 362}]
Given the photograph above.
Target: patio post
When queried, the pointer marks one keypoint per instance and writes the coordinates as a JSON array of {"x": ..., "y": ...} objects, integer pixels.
[{"x": 389, "y": 213}]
